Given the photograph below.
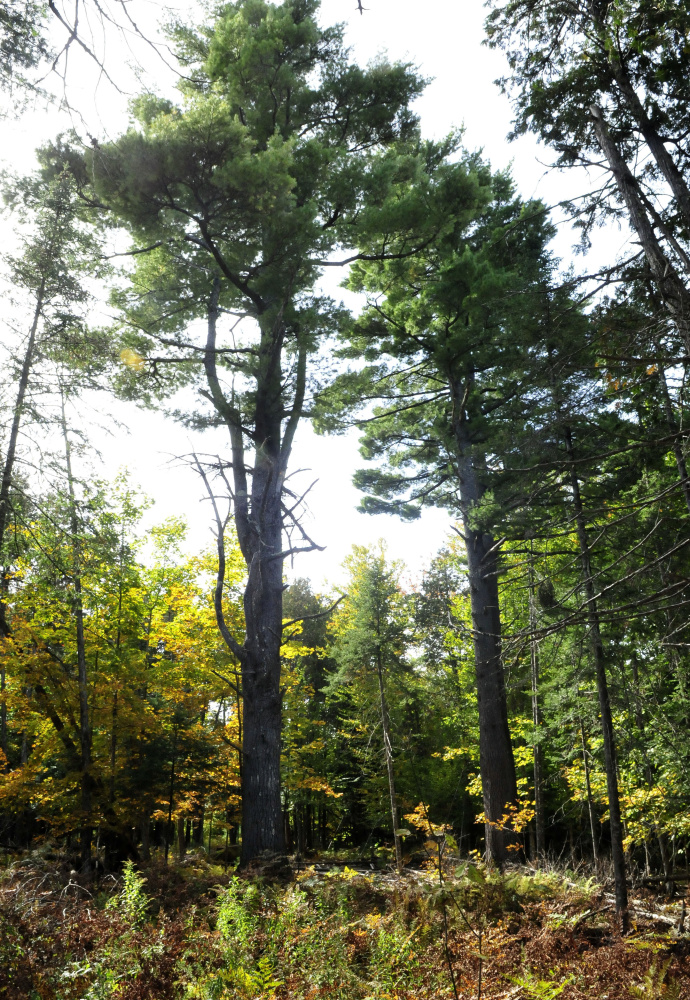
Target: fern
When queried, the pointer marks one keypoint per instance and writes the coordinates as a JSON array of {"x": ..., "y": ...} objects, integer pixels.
[
  {"x": 654, "y": 985},
  {"x": 540, "y": 989}
]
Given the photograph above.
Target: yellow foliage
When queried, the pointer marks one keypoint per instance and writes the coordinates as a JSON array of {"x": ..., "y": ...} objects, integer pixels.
[{"x": 132, "y": 359}]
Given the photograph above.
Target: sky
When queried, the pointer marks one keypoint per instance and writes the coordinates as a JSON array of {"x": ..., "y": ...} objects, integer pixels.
[{"x": 443, "y": 38}]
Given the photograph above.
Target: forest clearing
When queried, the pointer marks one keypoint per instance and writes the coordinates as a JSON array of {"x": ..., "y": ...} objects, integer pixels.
[
  {"x": 192, "y": 930},
  {"x": 457, "y": 771}
]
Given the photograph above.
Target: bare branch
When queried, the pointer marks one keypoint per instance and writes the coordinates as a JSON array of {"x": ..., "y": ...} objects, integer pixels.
[{"x": 221, "y": 525}]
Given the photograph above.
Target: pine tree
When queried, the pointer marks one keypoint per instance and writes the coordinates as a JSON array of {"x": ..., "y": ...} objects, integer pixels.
[
  {"x": 281, "y": 153},
  {"x": 450, "y": 332}
]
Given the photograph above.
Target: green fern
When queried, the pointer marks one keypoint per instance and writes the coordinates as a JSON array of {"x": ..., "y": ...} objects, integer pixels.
[
  {"x": 262, "y": 979},
  {"x": 229, "y": 984},
  {"x": 540, "y": 989},
  {"x": 654, "y": 985}
]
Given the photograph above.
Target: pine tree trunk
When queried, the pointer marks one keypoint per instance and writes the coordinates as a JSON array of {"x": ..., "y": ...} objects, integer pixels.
[
  {"x": 671, "y": 287},
  {"x": 259, "y": 522},
  {"x": 496, "y": 762},
  {"x": 262, "y": 826},
  {"x": 654, "y": 141},
  {"x": 617, "y": 850}
]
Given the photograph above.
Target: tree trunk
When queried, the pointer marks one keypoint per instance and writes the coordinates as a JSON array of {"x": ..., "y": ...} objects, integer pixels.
[
  {"x": 617, "y": 851},
  {"x": 671, "y": 287},
  {"x": 656, "y": 145},
  {"x": 146, "y": 835},
  {"x": 3, "y": 714},
  {"x": 539, "y": 823},
  {"x": 262, "y": 827},
  {"x": 113, "y": 748},
  {"x": 590, "y": 802},
  {"x": 388, "y": 751},
  {"x": 675, "y": 429},
  {"x": 496, "y": 762},
  {"x": 259, "y": 523},
  {"x": 198, "y": 828},
  {"x": 5, "y": 488},
  {"x": 11, "y": 454},
  {"x": 171, "y": 794},
  {"x": 118, "y": 644},
  {"x": 85, "y": 736}
]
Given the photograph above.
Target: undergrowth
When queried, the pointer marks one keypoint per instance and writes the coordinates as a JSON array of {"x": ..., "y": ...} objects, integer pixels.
[{"x": 194, "y": 932}]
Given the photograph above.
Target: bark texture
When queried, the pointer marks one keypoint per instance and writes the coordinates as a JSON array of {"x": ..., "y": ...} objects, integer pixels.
[
  {"x": 496, "y": 762},
  {"x": 259, "y": 513}
]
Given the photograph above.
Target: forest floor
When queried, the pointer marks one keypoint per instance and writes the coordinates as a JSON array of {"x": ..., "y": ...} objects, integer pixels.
[{"x": 196, "y": 931}]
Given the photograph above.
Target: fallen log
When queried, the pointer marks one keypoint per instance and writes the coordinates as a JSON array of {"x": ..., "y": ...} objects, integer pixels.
[{"x": 662, "y": 918}]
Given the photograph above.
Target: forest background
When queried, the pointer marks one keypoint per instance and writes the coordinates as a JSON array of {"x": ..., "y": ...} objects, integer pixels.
[{"x": 527, "y": 692}]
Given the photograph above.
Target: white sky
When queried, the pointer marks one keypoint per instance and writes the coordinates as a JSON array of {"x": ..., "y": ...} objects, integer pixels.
[{"x": 444, "y": 39}]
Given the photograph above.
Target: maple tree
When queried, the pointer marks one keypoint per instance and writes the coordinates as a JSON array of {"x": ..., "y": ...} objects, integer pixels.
[{"x": 154, "y": 670}]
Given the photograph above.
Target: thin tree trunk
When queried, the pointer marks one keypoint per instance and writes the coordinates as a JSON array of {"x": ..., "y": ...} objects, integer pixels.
[
  {"x": 617, "y": 851},
  {"x": 539, "y": 823},
  {"x": 181, "y": 839},
  {"x": 496, "y": 761},
  {"x": 649, "y": 771},
  {"x": 5, "y": 488},
  {"x": 388, "y": 751},
  {"x": 11, "y": 454},
  {"x": 590, "y": 801},
  {"x": 663, "y": 853},
  {"x": 113, "y": 747},
  {"x": 171, "y": 793},
  {"x": 3, "y": 712},
  {"x": 85, "y": 735},
  {"x": 146, "y": 835},
  {"x": 118, "y": 644}
]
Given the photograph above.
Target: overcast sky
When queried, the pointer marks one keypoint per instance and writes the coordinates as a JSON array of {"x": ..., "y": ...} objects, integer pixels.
[{"x": 444, "y": 39}]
